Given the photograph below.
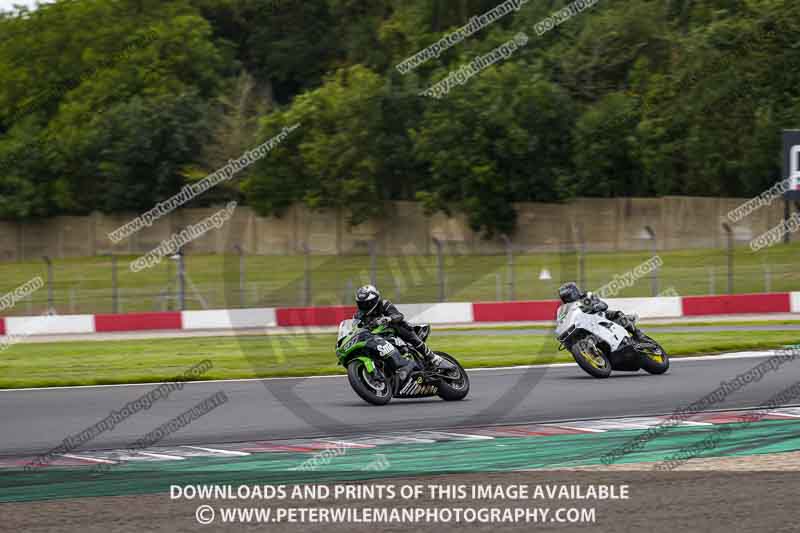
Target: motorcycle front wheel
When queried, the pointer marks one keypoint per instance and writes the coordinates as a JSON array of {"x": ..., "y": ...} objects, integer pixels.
[
  {"x": 370, "y": 389},
  {"x": 591, "y": 358}
]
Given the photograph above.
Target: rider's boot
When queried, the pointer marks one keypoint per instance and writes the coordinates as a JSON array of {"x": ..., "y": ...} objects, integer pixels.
[
  {"x": 432, "y": 359},
  {"x": 638, "y": 335},
  {"x": 629, "y": 323}
]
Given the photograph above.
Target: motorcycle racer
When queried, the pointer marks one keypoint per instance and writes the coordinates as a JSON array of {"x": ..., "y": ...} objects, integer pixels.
[
  {"x": 590, "y": 303},
  {"x": 373, "y": 308}
]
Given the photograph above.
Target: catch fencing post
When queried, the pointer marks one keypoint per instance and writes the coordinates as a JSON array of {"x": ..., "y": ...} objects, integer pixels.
[
  {"x": 242, "y": 296},
  {"x": 307, "y": 276},
  {"x": 711, "y": 278},
  {"x": 577, "y": 235},
  {"x": 181, "y": 279},
  {"x": 348, "y": 292},
  {"x": 373, "y": 269},
  {"x": 50, "y": 307},
  {"x": 510, "y": 264},
  {"x": 114, "y": 287},
  {"x": 729, "y": 232},
  {"x": 787, "y": 212},
  {"x": 397, "y": 291},
  {"x": 651, "y": 234},
  {"x": 439, "y": 255}
]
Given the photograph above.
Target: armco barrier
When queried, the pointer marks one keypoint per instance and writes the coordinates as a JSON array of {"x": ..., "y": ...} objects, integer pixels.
[
  {"x": 55, "y": 324},
  {"x": 230, "y": 318},
  {"x": 736, "y": 304},
  {"x": 314, "y": 316},
  {"x": 438, "y": 313},
  {"x": 138, "y": 321},
  {"x": 660, "y": 307},
  {"x": 441, "y": 313},
  {"x": 514, "y": 311},
  {"x": 667, "y": 307}
]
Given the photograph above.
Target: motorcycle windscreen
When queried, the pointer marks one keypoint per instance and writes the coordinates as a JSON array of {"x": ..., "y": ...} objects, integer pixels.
[{"x": 345, "y": 326}]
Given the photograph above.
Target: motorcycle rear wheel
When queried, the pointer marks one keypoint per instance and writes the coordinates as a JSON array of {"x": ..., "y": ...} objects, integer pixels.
[
  {"x": 655, "y": 359},
  {"x": 459, "y": 387}
]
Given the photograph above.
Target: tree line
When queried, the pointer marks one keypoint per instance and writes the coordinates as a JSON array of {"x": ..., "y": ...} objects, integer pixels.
[{"x": 114, "y": 105}]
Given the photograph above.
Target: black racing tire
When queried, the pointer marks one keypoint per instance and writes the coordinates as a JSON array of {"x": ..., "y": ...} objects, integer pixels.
[
  {"x": 458, "y": 391},
  {"x": 358, "y": 376},
  {"x": 654, "y": 360},
  {"x": 591, "y": 358}
]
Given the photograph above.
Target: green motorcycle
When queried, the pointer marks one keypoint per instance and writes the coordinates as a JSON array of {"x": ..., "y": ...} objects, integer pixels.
[{"x": 370, "y": 353}]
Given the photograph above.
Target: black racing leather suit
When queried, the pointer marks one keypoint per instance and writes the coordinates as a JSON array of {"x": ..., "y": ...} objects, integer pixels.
[
  {"x": 396, "y": 321},
  {"x": 592, "y": 305}
]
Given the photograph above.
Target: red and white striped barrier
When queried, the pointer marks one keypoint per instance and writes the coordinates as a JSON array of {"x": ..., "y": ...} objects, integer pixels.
[
  {"x": 737, "y": 304},
  {"x": 441, "y": 313},
  {"x": 138, "y": 321},
  {"x": 437, "y": 313},
  {"x": 229, "y": 318},
  {"x": 795, "y": 302},
  {"x": 47, "y": 324}
]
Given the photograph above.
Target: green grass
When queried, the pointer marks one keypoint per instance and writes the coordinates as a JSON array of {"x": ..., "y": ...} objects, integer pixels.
[
  {"x": 135, "y": 361},
  {"x": 643, "y": 322},
  {"x": 83, "y": 285},
  {"x": 786, "y": 322}
]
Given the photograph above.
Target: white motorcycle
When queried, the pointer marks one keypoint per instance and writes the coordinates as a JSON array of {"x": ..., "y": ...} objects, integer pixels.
[{"x": 600, "y": 345}]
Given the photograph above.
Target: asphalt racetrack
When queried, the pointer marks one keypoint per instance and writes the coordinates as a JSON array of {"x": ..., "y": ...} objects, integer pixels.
[{"x": 37, "y": 420}]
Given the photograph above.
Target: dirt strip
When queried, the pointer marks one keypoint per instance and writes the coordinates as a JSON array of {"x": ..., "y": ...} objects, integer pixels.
[
  {"x": 709, "y": 501},
  {"x": 775, "y": 462}
]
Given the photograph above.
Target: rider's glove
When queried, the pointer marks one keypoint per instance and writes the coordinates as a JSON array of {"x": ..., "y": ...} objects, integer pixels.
[{"x": 382, "y": 321}]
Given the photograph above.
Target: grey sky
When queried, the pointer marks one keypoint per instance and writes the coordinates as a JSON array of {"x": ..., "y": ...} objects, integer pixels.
[{"x": 7, "y": 5}]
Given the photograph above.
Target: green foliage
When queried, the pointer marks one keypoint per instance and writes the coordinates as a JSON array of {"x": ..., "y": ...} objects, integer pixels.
[
  {"x": 606, "y": 162},
  {"x": 502, "y": 137},
  {"x": 115, "y": 104},
  {"x": 331, "y": 159}
]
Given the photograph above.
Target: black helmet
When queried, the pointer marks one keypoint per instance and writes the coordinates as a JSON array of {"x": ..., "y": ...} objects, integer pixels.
[
  {"x": 367, "y": 299},
  {"x": 569, "y": 292}
]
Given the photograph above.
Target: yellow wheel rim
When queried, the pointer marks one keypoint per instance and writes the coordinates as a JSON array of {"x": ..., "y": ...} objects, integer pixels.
[
  {"x": 597, "y": 362},
  {"x": 658, "y": 357}
]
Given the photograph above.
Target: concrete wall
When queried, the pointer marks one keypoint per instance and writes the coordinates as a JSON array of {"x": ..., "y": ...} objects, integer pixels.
[{"x": 603, "y": 224}]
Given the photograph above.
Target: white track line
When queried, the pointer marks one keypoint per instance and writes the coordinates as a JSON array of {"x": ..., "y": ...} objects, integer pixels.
[
  {"x": 163, "y": 456},
  {"x": 566, "y": 424},
  {"x": 345, "y": 444},
  {"x": 215, "y": 450},
  {"x": 89, "y": 459},
  {"x": 401, "y": 439},
  {"x": 468, "y": 437},
  {"x": 779, "y": 413},
  {"x": 689, "y": 359},
  {"x": 588, "y": 430}
]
